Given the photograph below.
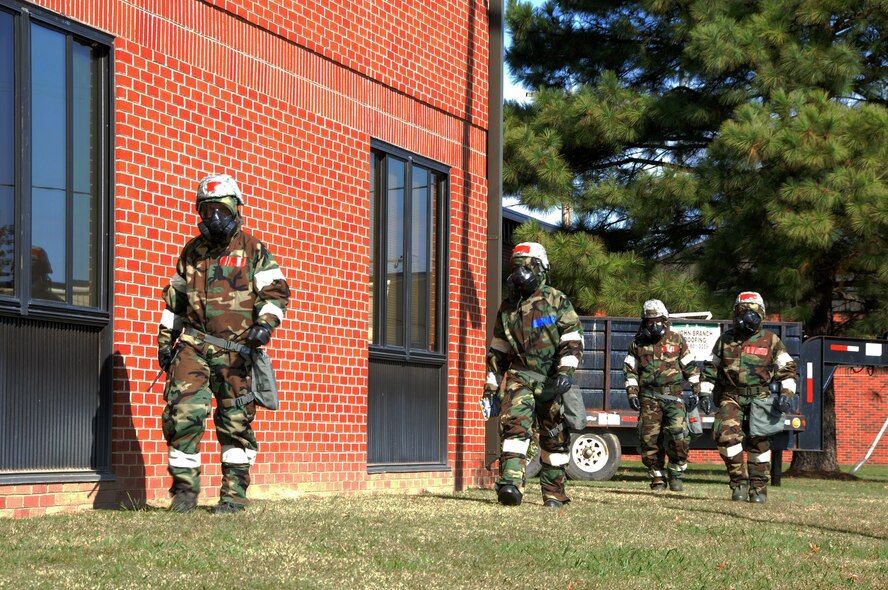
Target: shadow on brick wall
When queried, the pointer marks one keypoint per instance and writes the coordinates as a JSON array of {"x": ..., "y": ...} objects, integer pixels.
[{"x": 127, "y": 488}]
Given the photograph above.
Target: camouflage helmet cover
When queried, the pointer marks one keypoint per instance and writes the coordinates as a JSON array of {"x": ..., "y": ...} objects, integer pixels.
[
  {"x": 752, "y": 299},
  {"x": 531, "y": 250},
  {"x": 216, "y": 187},
  {"x": 654, "y": 308}
]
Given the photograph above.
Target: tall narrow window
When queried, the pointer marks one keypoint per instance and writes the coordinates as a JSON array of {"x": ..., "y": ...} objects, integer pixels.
[
  {"x": 55, "y": 234},
  {"x": 407, "y": 398}
]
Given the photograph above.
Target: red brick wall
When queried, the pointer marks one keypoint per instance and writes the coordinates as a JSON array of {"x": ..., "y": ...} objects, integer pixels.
[
  {"x": 286, "y": 99},
  {"x": 861, "y": 411}
]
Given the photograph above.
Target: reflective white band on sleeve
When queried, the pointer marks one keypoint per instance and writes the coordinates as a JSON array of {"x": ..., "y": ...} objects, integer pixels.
[
  {"x": 266, "y": 277},
  {"x": 170, "y": 320},
  {"x": 492, "y": 379},
  {"x": 784, "y": 359},
  {"x": 272, "y": 309},
  {"x": 733, "y": 450},
  {"x": 554, "y": 459},
  {"x": 706, "y": 387},
  {"x": 694, "y": 379},
  {"x": 178, "y": 283},
  {"x": 571, "y": 337},
  {"x": 518, "y": 446},
  {"x": 687, "y": 359},
  {"x": 180, "y": 459},
  {"x": 789, "y": 384},
  {"x": 569, "y": 361},
  {"x": 760, "y": 457},
  {"x": 631, "y": 382},
  {"x": 237, "y": 455},
  {"x": 500, "y": 345},
  {"x": 629, "y": 360}
]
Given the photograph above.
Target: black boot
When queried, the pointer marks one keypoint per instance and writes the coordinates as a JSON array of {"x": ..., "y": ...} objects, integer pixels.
[
  {"x": 183, "y": 501},
  {"x": 675, "y": 484},
  {"x": 508, "y": 495},
  {"x": 553, "y": 503},
  {"x": 758, "y": 496},
  {"x": 739, "y": 491}
]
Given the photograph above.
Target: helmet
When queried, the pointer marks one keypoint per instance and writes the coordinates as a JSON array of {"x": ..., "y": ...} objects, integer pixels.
[
  {"x": 654, "y": 308},
  {"x": 216, "y": 187},
  {"x": 750, "y": 298},
  {"x": 531, "y": 250}
]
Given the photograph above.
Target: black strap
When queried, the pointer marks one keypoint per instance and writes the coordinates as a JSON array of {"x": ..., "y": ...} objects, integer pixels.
[{"x": 219, "y": 342}]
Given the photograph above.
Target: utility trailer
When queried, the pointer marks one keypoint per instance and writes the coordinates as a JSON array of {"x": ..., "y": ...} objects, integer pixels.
[{"x": 596, "y": 452}]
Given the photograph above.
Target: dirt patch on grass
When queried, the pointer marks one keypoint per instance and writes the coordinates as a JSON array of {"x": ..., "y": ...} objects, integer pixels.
[{"x": 820, "y": 474}]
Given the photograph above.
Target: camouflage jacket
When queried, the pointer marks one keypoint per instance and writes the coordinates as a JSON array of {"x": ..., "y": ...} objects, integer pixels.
[
  {"x": 663, "y": 364},
  {"x": 541, "y": 333},
  {"x": 754, "y": 362},
  {"x": 223, "y": 292}
]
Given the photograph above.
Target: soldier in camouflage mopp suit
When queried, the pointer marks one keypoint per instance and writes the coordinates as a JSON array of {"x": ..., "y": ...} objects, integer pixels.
[
  {"x": 658, "y": 360},
  {"x": 745, "y": 360},
  {"x": 225, "y": 298},
  {"x": 536, "y": 347}
]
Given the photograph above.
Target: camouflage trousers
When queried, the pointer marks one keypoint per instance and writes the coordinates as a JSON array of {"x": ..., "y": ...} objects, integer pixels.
[
  {"x": 732, "y": 440},
  {"x": 662, "y": 433},
  {"x": 197, "y": 374},
  {"x": 520, "y": 410}
]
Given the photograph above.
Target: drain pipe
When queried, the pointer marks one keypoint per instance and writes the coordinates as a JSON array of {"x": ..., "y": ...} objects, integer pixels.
[
  {"x": 494, "y": 163},
  {"x": 494, "y": 193}
]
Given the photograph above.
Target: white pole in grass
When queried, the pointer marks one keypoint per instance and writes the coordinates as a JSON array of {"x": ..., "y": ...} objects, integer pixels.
[{"x": 872, "y": 447}]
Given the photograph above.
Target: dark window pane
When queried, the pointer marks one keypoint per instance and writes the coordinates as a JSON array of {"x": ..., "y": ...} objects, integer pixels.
[
  {"x": 84, "y": 251},
  {"x": 7, "y": 94},
  {"x": 7, "y": 157},
  {"x": 394, "y": 253},
  {"x": 374, "y": 247},
  {"x": 419, "y": 277},
  {"x": 48, "y": 245},
  {"x": 7, "y": 242},
  {"x": 48, "y": 107},
  {"x": 439, "y": 188},
  {"x": 86, "y": 112}
]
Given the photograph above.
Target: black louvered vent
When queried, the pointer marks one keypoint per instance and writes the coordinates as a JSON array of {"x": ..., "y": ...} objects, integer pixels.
[{"x": 50, "y": 394}]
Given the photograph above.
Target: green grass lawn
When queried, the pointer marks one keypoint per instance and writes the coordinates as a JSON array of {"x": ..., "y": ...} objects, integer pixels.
[{"x": 615, "y": 534}]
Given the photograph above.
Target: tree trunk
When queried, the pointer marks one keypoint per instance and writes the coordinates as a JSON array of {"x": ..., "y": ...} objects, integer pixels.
[{"x": 825, "y": 462}]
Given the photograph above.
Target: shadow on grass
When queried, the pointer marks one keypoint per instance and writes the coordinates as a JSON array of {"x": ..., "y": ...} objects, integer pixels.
[{"x": 769, "y": 519}]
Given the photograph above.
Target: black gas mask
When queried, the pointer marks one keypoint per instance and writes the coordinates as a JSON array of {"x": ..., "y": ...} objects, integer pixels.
[
  {"x": 218, "y": 224},
  {"x": 747, "y": 321},
  {"x": 527, "y": 278},
  {"x": 651, "y": 330}
]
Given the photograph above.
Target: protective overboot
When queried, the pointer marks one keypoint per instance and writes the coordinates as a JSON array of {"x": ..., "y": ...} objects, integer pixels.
[
  {"x": 739, "y": 491},
  {"x": 508, "y": 495},
  {"x": 758, "y": 496},
  {"x": 225, "y": 507},
  {"x": 658, "y": 485},
  {"x": 675, "y": 484},
  {"x": 553, "y": 503},
  {"x": 183, "y": 501}
]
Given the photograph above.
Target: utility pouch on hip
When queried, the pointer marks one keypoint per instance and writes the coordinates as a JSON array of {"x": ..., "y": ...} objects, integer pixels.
[
  {"x": 574, "y": 409},
  {"x": 695, "y": 423},
  {"x": 264, "y": 385},
  {"x": 764, "y": 417}
]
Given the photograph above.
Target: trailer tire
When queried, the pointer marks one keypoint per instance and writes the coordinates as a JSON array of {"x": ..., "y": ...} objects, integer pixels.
[{"x": 593, "y": 456}]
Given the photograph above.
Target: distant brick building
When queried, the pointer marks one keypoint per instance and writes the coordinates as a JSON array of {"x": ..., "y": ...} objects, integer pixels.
[{"x": 357, "y": 131}]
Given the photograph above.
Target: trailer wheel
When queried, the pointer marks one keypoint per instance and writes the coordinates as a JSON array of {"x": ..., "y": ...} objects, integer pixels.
[{"x": 593, "y": 457}]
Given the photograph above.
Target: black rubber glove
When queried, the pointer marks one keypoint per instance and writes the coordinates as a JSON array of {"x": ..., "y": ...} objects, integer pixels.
[
  {"x": 784, "y": 403},
  {"x": 706, "y": 404},
  {"x": 259, "y": 335},
  {"x": 164, "y": 358},
  {"x": 691, "y": 402},
  {"x": 635, "y": 402},
  {"x": 562, "y": 384}
]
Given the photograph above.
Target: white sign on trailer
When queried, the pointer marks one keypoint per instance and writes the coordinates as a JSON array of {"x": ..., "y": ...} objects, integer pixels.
[{"x": 700, "y": 338}]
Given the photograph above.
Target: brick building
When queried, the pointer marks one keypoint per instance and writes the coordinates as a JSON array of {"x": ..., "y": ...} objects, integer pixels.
[{"x": 358, "y": 133}]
